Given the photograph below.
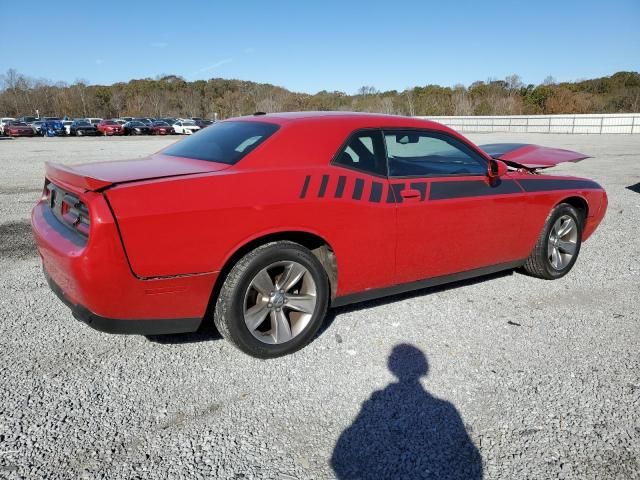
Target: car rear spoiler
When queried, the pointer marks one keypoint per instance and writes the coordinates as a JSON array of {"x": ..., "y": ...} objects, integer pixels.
[
  {"x": 64, "y": 174},
  {"x": 529, "y": 156}
]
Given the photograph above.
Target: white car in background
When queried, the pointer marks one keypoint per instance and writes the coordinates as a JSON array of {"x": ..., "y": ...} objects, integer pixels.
[
  {"x": 93, "y": 120},
  {"x": 4, "y": 120},
  {"x": 185, "y": 127},
  {"x": 67, "y": 126}
]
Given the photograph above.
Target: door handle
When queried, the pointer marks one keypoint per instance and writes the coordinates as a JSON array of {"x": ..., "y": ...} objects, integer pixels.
[{"x": 410, "y": 194}]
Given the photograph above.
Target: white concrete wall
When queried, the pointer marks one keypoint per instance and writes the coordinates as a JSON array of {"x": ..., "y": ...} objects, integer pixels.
[{"x": 592, "y": 123}]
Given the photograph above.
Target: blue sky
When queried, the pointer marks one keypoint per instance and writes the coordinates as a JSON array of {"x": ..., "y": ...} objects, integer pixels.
[{"x": 311, "y": 46}]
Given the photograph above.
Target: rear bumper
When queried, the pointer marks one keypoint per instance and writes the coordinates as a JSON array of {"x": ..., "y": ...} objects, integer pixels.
[
  {"x": 93, "y": 278},
  {"x": 157, "y": 326}
]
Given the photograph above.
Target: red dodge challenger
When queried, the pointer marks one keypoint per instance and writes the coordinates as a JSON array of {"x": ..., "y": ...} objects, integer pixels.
[{"x": 261, "y": 223}]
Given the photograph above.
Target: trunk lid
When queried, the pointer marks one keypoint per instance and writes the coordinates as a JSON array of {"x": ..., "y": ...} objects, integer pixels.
[
  {"x": 98, "y": 176},
  {"x": 529, "y": 156}
]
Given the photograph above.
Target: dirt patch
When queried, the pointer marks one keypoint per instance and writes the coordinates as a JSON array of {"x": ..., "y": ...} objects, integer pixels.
[{"x": 16, "y": 241}]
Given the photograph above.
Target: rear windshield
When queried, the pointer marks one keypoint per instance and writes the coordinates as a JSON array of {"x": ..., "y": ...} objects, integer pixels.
[{"x": 223, "y": 142}]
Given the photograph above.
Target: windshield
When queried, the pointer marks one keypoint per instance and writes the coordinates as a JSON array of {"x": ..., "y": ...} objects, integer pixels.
[
  {"x": 224, "y": 142},
  {"x": 161, "y": 124},
  {"x": 82, "y": 122},
  {"x": 189, "y": 123},
  {"x": 136, "y": 124},
  {"x": 110, "y": 122},
  {"x": 19, "y": 124}
]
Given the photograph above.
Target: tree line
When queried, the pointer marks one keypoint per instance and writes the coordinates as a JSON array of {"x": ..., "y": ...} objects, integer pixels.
[{"x": 171, "y": 95}]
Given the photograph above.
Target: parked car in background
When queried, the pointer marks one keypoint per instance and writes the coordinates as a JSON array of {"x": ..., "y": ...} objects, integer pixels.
[
  {"x": 67, "y": 125},
  {"x": 94, "y": 120},
  {"x": 203, "y": 123},
  {"x": 185, "y": 127},
  {"x": 110, "y": 127},
  {"x": 37, "y": 126},
  {"x": 4, "y": 121},
  {"x": 82, "y": 127},
  {"x": 52, "y": 128},
  {"x": 169, "y": 120},
  {"x": 18, "y": 129},
  {"x": 161, "y": 128},
  {"x": 29, "y": 120},
  {"x": 135, "y": 127}
]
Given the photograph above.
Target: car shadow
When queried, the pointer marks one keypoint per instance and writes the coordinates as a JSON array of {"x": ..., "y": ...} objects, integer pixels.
[
  {"x": 208, "y": 331},
  {"x": 403, "y": 431},
  {"x": 634, "y": 188},
  {"x": 333, "y": 313}
]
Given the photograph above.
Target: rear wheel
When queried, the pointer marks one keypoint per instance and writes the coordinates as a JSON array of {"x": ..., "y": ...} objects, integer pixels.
[
  {"x": 558, "y": 245},
  {"x": 273, "y": 300}
]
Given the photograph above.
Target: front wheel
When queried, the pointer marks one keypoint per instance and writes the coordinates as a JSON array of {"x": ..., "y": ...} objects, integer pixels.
[
  {"x": 273, "y": 300},
  {"x": 558, "y": 245}
]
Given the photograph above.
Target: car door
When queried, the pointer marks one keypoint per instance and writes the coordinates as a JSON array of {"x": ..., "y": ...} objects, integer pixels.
[
  {"x": 357, "y": 190},
  {"x": 451, "y": 216}
]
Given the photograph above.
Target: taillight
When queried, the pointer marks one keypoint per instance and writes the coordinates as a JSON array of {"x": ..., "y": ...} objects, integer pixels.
[{"x": 68, "y": 208}]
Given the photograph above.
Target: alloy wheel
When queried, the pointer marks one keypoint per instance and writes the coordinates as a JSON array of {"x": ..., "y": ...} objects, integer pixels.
[
  {"x": 562, "y": 243},
  {"x": 279, "y": 302}
]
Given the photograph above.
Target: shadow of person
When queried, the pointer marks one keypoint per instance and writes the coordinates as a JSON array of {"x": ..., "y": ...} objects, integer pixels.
[{"x": 404, "y": 432}]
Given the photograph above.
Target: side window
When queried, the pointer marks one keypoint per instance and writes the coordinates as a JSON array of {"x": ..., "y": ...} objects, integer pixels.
[
  {"x": 424, "y": 154},
  {"x": 364, "y": 151}
]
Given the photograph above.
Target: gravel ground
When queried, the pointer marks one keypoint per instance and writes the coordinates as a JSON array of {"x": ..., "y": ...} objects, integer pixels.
[{"x": 503, "y": 377}]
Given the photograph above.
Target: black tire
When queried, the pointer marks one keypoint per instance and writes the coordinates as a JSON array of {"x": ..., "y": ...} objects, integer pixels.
[
  {"x": 539, "y": 264},
  {"x": 228, "y": 314}
]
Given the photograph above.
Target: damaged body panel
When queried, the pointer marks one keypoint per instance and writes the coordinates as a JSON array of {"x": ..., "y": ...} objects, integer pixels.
[{"x": 529, "y": 156}]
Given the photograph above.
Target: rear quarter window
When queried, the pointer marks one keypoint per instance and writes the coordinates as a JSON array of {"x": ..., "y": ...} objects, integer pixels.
[{"x": 224, "y": 142}]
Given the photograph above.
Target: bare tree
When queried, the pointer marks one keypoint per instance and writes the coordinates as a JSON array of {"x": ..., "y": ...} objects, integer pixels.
[{"x": 408, "y": 93}]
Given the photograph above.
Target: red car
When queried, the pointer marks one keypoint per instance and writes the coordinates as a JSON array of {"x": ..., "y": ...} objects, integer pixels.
[
  {"x": 161, "y": 128},
  {"x": 261, "y": 223},
  {"x": 110, "y": 127},
  {"x": 18, "y": 129}
]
